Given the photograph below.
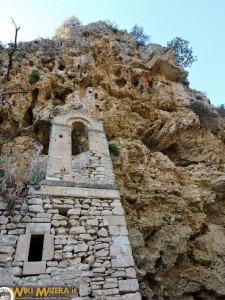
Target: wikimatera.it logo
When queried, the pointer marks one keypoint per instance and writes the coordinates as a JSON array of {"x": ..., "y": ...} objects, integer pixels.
[{"x": 37, "y": 293}]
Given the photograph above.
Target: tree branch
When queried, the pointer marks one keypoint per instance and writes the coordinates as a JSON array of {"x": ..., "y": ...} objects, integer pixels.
[{"x": 10, "y": 64}]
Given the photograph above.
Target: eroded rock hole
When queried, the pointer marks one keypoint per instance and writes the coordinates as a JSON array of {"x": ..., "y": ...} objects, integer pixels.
[
  {"x": 35, "y": 93},
  {"x": 135, "y": 82},
  {"x": 61, "y": 94},
  {"x": 79, "y": 138},
  {"x": 121, "y": 82},
  {"x": 28, "y": 118},
  {"x": 36, "y": 247},
  {"x": 42, "y": 132}
]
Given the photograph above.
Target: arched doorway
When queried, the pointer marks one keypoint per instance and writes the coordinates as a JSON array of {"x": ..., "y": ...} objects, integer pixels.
[{"x": 79, "y": 138}]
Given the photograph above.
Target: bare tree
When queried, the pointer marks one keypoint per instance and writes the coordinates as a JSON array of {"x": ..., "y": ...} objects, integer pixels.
[{"x": 11, "y": 53}]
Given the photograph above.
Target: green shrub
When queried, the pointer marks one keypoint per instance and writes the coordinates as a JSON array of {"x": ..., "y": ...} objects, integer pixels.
[
  {"x": 114, "y": 148},
  {"x": 112, "y": 25},
  {"x": 2, "y": 170},
  {"x": 182, "y": 51},
  {"x": 199, "y": 108},
  {"x": 141, "y": 37},
  {"x": 221, "y": 110},
  {"x": 37, "y": 175},
  {"x": 206, "y": 116},
  {"x": 95, "y": 55},
  {"x": 33, "y": 77}
]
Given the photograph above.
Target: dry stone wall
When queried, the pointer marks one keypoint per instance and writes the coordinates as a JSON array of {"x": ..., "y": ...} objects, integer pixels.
[{"x": 91, "y": 246}]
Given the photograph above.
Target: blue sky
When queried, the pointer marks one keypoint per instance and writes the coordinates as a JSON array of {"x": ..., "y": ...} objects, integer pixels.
[{"x": 201, "y": 22}]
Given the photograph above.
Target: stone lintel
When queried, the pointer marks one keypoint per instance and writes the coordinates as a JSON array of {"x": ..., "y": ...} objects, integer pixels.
[
  {"x": 91, "y": 185},
  {"x": 55, "y": 190}
]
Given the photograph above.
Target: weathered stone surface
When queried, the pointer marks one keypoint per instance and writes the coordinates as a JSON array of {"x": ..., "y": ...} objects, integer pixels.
[
  {"x": 8, "y": 240},
  {"x": 84, "y": 290},
  {"x": 135, "y": 296},
  {"x": 3, "y": 220},
  {"x": 77, "y": 230},
  {"x": 123, "y": 261},
  {"x": 114, "y": 220},
  {"x": 2, "y": 205},
  {"x": 35, "y": 201},
  {"x": 5, "y": 278},
  {"x": 36, "y": 208},
  {"x": 106, "y": 292},
  {"x": 80, "y": 248},
  {"x": 92, "y": 222},
  {"x": 129, "y": 285},
  {"x": 73, "y": 211},
  {"x": 102, "y": 233},
  {"x": 34, "y": 268}
]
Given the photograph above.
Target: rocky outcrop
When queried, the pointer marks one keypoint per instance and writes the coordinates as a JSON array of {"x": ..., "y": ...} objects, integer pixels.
[{"x": 171, "y": 166}]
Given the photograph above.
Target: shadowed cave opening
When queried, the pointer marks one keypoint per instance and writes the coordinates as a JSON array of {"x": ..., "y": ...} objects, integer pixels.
[
  {"x": 42, "y": 132},
  {"x": 36, "y": 248},
  {"x": 79, "y": 138}
]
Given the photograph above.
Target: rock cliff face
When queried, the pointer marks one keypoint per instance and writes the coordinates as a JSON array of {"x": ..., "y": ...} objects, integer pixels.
[{"x": 171, "y": 169}]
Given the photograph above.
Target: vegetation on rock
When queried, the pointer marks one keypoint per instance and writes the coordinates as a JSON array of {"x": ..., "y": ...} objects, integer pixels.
[
  {"x": 33, "y": 77},
  {"x": 182, "y": 51},
  {"x": 141, "y": 37},
  {"x": 221, "y": 110},
  {"x": 114, "y": 148}
]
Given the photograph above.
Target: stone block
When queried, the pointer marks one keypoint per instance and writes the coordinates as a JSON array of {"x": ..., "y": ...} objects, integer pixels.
[
  {"x": 16, "y": 231},
  {"x": 8, "y": 240},
  {"x": 107, "y": 292},
  {"x": 55, "y": 223},
  {"x": 120, "y": 249},
  {"x": 118, "y": 211},
  {"x": 4, "y": 258},
  {"x": 128, "y": 285},
  {"x": 35, "y": 208},
  {"x": 74, "y": 211},
  {"x": 3, "y": 220},
  {"x": 114, "y": 220},
  {"x": 77, "y": 230},
  {"x": 106, "y": 212},
  {"x": 16, "y": 271},
  {"x": 35, "y": 201},
  {"x": 102, "y": 233},
  {"x": 101, "y": 253},
  {"x": 131, "y": 273},
  {"x": 68, "y": 248},
  {"x": 101, "y": 246},
  {"x": 122, "y": 261},
  {"x": 2, "y": 205},
  {"x": 7, "y": 249},
  {"x": 86, "y": 237},
  {"x": 120, "y": 240},
  {"x": 135, "y": 296},
  {"x": 84, "y": 290},
  {"x": 80, "y": 248},
  {"x": 48, "y": 247},
  {"x": 5, "y": 279},
  {"x": 34, "y": 268},
  {"x": 39, "y": 228},
  {"x": 99, "y": 270},
  {"x": 92, "y": 222},
  {"x": 110, "y": 285},
  {"x": 118, "y": 230}
]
